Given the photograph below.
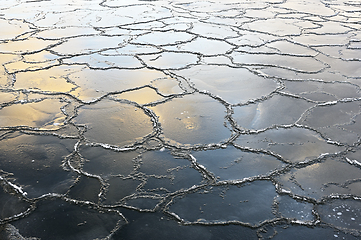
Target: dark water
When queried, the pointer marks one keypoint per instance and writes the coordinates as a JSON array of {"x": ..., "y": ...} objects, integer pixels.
[{"x": 180, "y": 120}]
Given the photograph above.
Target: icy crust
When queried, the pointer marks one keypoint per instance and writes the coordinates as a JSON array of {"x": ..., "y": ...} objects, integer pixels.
[{"x": 180, "y": 120}]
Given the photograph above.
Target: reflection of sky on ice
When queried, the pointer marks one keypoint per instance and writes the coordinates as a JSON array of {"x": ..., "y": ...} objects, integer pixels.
[{"x": 180, "y": 120}]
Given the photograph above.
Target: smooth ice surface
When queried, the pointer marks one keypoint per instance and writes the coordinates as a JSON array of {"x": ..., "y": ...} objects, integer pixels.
[
  {"x": 34, "y": 162},
  {"x": 222, "y": 204},
  {"x": 233, "y": 164},
  {"x": 65, "y": 220},
  {"x": 193, "y": 119},
  {"x": 114, "y": 123},
  {"x": 216, "y": 79},
  {"x": 174, "y": 119},
  {"x": 292, "y": 144},
  {"x": 33, "y": 114}
]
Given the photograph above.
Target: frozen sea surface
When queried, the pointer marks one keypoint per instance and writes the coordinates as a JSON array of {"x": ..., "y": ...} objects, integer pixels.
[{"x": 212, "y": 119}]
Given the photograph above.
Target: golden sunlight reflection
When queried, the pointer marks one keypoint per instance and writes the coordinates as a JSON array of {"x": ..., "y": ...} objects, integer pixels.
[
  {"x": 53, "y": 79},
  {"x": 141, "y": 96},
  {"x": 45, "y": 114},
  {"x": 10, "y": 29},
  {"x": 6, "y": 58},
  {"x": 42, "y": 56},
  {"x": 95, "y": 83},
  {"x": 7, "y": 97},
  {"x": 25, "y": 46},
  {"x": 23, "y": 66},
  {"x": 167, "y": 86}
]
